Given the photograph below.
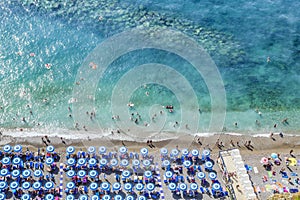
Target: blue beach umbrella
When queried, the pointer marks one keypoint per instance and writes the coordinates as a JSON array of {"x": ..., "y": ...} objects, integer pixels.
[
  {"x": 212, "y": 175},
  {"x": 123, "y": 150},
  {"x": 38, "y": 173},
  {"x": 71, "y": 173},
  {"x": 16, "y": 161},
  {"x": 81, "y": 161},
  {"x": 105, "y": 186},
  {"x": 103, "y": 161},
  {"x": 135, "y": 162},
  {"x": 2, "y": 196},
  {"x": 70, "y": 185},
  {"x": 6, "y": 161},
  {"x": 70, "y": 149},
  {"x": 208, "y": 165},
  {"x": 49, "y": 197},
  {"x": 182, "y": 186},
  {"x": 118, "y": 197},
  {"x": 95, "y": 197},
  {"x": 146, "y": 163},
  {"x": 81, "y": 173},
  {"x": 148, "y": 174},
  {"x": 185, "y": 152},
  {"x": 106, "y": 197},
  {"x": 216, "y": 186},
  {"x": 14, "y": 185},
  {"x": 126, "y": 173},
  {"x": 205, "y": 153},
  {"x": 172, "y": 186},
  {"x": 4, "y": 172},
  {"x": 93, "y": 186},
  {"x": 166, "y": 163},
  {"x": 127, "y": 186},
  {"x": 187, "y": 163},
  {"x": 83, "y": 197},
  {"x": 17, "y": 148},
  {"x": 142, "y": 198},
  {"x": 49, "y": 185},
  {"x": 15, "y": 173},
  {"x": 102, "y": 150},
  {"x": 168, "y": 174},
  {"x": 124, "y": 163},
  {"x": 7, "y": 148},
  {"x": 116, "y": 186},
  {"x": 201, "y": 175},
  {"x": 150, "y": 187},
  {"x": 92, "y": 162},
  {"x": 3, "y": 185},
  {"x": 70, "y": 197},
  {"x": 26, "y": 185},
  {"x": 174, "y": 152},
  {"x": 50, "y": 149},
  {"x": 36, "y": 185},
  {"x": 93, "y": 173},
  {"x": 113, "y": 162},
  {"x": 195, "y": 152},
  {"x": 163, "y": 151},
  {"x": 26, "y": 173},
  {"x": 194, "y": 186},
  {"x": 25, "y": 197},
  {"x": 144, "y": 151},
  {"x": 139, "y": 187},
  {"x": 91, "y": 149},
  {"x": 71, "y": 162},
  {"x": 49, "y": 161},
  {"x": 129, "y": 197}
]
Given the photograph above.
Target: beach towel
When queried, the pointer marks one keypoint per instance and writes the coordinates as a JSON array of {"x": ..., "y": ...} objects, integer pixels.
[
  {"x": 294, "y": 174},
  {"x": 270, "y": 174},
  {"x": 257, "y": 189},
  {"x": 255, "y": 170},
  {"x": 279, "y": 184},
  {"x": 268, "y": 188}
]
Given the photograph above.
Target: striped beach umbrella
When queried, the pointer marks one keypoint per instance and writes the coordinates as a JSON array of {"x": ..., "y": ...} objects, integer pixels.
[
  {"x": 49, "y": 161},
  {"x": 129, "y": 197},
  {"x": 81, "y": 173},
  {"x": 92, "y": 162},
  {"x": 36, "y": 185},
  {"x": 15, "y": 173},
  {"x": 103, "y": 161},
  {"x": 142, "y": 198},
  {"x": 14, "y": 185},
  {"x": 71, "y": 162},
  {"x": 105, "y": 186},
  {"x": 70, "y": 197},
  {"x": 148, "y": 174},
  {"x": 195, "y": 152},
  {"x": 187, "y": 163},
  {"x": 102, "y": 150},
  {"x": 126, "y": 173},
  {"x": 182, "y": 186},
  {"x": 17, "y": 148},
  {"x": 118, "y": 197},
  {"x": 166, "y": 163},
  {"x": 7, "y": 148},
  {"x": 71, "y": 173},
  {"x": 70, "y": 149},
  {"x": 6, "y": 161},
  {"x": 93, "y": 186},
  {"x": 185, "y": 152},
  {"x": 212, "y": 175},
  {"x": 91, "y": 149},
  {"x": 50, "y": 149},
  {"x": 16, "y": 161},
  {"x": 49, "y": 197},
  {"x": 49, "y": 185},
  {"x": 93, "y": 173},
  {"x": 3, "y": 185},
  {"x": 83, "y": 197},
  {"x": 150, "y": 187},
  {"x": 26, "y": 185},
  {"x": 70, "y": 185},
  {"x": 201, "y": 175},
  {"x": 174, "y": 152},
  {"x": 144, "y": 151},
  {"x": 106, "y": 197},
  {"x": 124, "y": 163},
  {"x": 123, "y": 150},
  {"x": 95, "y": 197},
  {"x": 26, "y": 173},
  {"x": 216, "y": 186},
  {"x": 139, "y": 187},
  {"x": 169, "y": 174},
  {"x": 163, "y": 151},
  {"x": 113, "y": 162},
  {"x": 127, "y": 186},
  {"x": 25, "y": 197},
  {"x": 135, "y": 162},
  {"x": 38, "y": 173},
  {"x": 81, "y": 161},
  {"x": 116, "y": 186},
  {"x": 172, "y": 186},
  {"x": 146, "y": 163},
  {"x": 194, "y": 186},
  {"x": 4, "y": 172}
]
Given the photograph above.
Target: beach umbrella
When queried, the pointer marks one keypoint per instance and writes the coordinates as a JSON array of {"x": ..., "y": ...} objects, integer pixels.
[
  {"x": 148, "y": 174},
  {"x": 2, "y": 196},
  {"x": 71, "y": 173},
  {"x": 169, "y": 174},
  {"x": 182, "y": 186},
  {"x": 142, "y": 198},
  {"x": 81, "y": 173},
  {"x": 146, "y": 163},
  {"x": 166, "y": 163},
  {"x": 50, "y": 149},
  {"x": 93, "y": 186},
  {"x": 25, "y": 197},
  {"x": 14, "y": 185},
  {"x": 212, "y": 175},
  {"x": 103, "y": 161},
  {"x": 172, "y": 186},
  {"x": 174, "y": 152},
  {"x": 91, "y": 149},
  {"x": 71, "y": 162},
  {"x": 36, "y": 185},
  {"x": 187, "y": 163},
  {"x": 95, "y": 197},
  {"x": 70, "y": 149},
  {"x": 205, "y": 154},
  {"x": 49, "y": 161},
  {"x": 185, "y": 152},
  {"x": 16, "y": 161},
  {"x": 118, "y": 197},
  {"x": 127, "y": 186},
  {"x": 194, "y": 186},
  {"x": 195, "y": 152},
  {"x": 3, "y": 185},
  {"x": 26, "y": 185},
  {"x": 116, "y": 186},
  {"x": 144, "y": 151},
  {"x": 129, "y": 197},
  {"x": 102, "y": 150},
  {"x": 17, "y": 148},
  {"x": 216, "y": 186},
  {"x": 274, "y": 155},
  {"x": 150, "y": 187},
  {"x": 135, "y": 162},
  {"x": 7, "y": 148},
  {"x": 113, "y": 162},
  {"x": 139, "y": 187},
  {"x": 264, "y": 161},
  {"x": 6, "y": 161},
  {"x": 4, "y": 172},
  {"x": 49, "y": 185},
  {"x": 83, "y": 197},
  {"x": 38, "y": 173},
  {"x": 26, "y": 173},
  {"x": 93, "y": 173},
  {"x": 164, "y": 151},
  {"x": 123, "y": 150},
  {"x": 126, "y": 173},
  {"x": 49, "y": 197},
  {"x": 201, "y": 175},
  {"x": 105, "y": 186},
  {"x": 15, "y": 173},
  {"x": 124, "y": 163},
  {"x": 70, "y": 197},
  {"x": 92, "y": 162},
  {"x": 106, "y": 197},
  {"x": 70, "y": 185},
  {"x": 81, "y": 161},
  {"x": 208, "y": 165}
]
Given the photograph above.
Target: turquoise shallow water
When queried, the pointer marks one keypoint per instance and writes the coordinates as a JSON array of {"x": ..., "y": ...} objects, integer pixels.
[{"x": 239, "y": 36}]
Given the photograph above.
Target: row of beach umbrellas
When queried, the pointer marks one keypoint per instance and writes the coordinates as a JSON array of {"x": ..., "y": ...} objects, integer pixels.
[{"x": 18, "y": 148}]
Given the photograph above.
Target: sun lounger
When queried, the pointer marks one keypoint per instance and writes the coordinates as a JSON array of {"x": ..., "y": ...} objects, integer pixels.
[{"x": 255, "y": 170}]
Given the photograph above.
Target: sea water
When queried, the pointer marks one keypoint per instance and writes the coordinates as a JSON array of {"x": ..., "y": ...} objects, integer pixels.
[{"x": 255, "y": 46}]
